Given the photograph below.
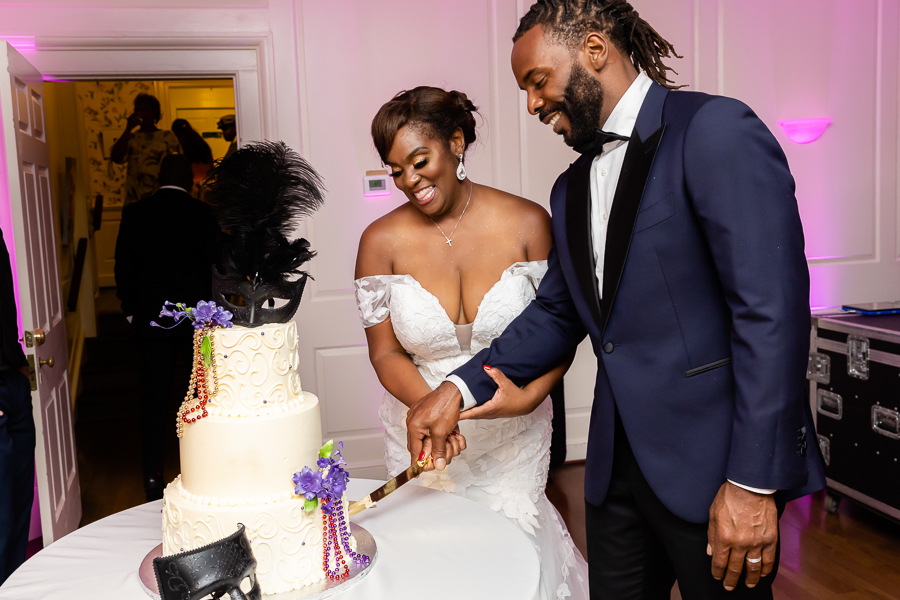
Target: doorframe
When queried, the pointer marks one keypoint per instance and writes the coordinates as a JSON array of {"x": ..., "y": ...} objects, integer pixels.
[{"x": 247, "y": 61}]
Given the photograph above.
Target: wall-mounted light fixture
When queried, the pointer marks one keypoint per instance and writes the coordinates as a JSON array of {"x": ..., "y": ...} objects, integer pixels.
[{"x": 804, "y": 131}]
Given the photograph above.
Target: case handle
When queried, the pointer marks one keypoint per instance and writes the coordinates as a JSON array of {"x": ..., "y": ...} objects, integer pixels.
[
  {"x": 829, "y": 404},
  {"x": 886, "y": 422}
]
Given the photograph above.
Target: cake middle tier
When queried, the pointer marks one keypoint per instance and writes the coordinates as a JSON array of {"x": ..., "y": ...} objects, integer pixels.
[{"x": 234, "y": 461}]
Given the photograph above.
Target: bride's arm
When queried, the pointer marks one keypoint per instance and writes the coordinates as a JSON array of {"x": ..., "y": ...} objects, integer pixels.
[
  {"x": 512, "y": 401},
  {"x": 394, "y": 367},
  {"x": 540, "y": 387}
]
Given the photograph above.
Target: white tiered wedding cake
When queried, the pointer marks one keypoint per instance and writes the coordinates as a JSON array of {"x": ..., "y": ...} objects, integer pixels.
[{"x": 239, "y": 451}]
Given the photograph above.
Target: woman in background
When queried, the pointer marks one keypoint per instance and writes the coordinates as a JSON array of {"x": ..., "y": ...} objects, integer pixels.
[
  {"x": 437, "y": 280},
  {"x": 196, "y": 149}
]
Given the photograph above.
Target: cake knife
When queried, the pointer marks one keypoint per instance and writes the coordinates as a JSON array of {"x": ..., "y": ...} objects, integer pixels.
[{"x": 391, "y": 486}]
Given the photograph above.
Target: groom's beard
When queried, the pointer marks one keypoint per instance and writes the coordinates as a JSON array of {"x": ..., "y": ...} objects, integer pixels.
[{"x": 583, "y": 106}]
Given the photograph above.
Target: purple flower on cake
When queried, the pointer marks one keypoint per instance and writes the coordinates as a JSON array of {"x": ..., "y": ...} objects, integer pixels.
[
  {"x": 327, "y": 484},
  {"x": 335, "y": 483},
  {"x": 334, "y": 460},
  {"x": 205, "y": 313},
  {"x": 220, "y": 318},
  {"x": 178, "y": 314},
  {"x": 202, "y": 313},
  {"x": 308, "y": 483}
]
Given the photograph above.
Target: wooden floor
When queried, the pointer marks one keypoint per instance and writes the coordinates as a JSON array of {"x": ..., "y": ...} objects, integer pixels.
[{"x": 851, "y": 555}]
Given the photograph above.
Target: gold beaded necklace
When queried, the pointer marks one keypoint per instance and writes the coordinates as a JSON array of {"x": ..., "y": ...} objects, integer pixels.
[{"x": 204, "y": 380}]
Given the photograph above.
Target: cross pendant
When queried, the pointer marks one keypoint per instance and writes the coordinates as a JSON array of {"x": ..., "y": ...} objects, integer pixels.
[{"x": 448, "y": 243}]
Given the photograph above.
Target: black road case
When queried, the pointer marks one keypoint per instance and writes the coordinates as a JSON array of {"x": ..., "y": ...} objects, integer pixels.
[{"x": 854, "y": 373}]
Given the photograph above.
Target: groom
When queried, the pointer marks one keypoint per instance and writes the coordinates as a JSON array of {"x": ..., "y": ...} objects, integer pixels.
[{"x": 679, "y": 251}]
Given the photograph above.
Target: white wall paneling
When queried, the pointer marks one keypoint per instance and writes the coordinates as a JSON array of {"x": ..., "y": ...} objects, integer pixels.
[{"x": 344, "y": 377}]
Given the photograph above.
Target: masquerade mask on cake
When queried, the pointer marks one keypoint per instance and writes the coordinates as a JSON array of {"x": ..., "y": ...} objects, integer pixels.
[
  {"x": 215, "y": 570},
  {"x": 259, "y": 302},
  {"x": 259, "y": 194}
]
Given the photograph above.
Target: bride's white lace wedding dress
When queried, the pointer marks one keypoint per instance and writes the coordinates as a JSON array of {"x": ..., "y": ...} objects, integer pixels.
[{"x": 505, "y": 464}]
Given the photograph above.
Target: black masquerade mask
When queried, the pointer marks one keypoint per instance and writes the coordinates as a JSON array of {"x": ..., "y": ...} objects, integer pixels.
[
  {"x": 259, "y": 302},
  {"x": 259, "y": 194},
  {"x": 216, "y": 571}
]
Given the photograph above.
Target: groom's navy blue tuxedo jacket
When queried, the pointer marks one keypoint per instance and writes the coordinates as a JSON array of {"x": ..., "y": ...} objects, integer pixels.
[{"x": 702, "y": 329}]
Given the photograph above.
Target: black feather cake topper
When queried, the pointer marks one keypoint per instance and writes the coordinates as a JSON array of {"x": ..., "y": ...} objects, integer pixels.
[{"x": 259, "y": 194}]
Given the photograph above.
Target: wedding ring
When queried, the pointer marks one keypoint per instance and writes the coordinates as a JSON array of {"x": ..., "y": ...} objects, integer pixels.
[
  {"x": 754, "y": 561},
  {"x": 424, "y": 461}
]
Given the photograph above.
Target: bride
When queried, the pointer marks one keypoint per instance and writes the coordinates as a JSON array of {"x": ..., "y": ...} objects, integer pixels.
[{"x": 437, "y": 280}]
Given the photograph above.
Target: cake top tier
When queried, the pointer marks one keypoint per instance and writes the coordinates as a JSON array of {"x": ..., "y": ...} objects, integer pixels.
[{"x": 257, "y": 370}]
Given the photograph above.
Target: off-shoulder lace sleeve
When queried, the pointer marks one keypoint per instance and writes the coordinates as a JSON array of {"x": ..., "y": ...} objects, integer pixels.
[
  {"x": 534, "y": 270},
  {"x": 373, "y": 295}
]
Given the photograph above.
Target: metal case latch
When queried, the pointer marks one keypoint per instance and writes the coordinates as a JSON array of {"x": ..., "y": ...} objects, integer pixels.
[
  {"x": 829, "y": 404},
  {"x": 818, "y": 368},
  {"x": 858, "y": 357},
  {"x": 886, "y": 422}
]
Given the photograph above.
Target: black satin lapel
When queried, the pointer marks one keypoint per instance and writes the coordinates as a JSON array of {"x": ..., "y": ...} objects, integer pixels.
[
  {"x": 578, "y": 234},
  {"x": 629, "y": 190}
]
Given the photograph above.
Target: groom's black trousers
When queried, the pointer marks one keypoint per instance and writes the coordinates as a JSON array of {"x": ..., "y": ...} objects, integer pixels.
[{"x": 637, "y": 548}]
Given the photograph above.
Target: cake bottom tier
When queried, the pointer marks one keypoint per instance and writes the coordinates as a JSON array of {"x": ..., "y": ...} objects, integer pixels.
[{"x": 286, "y": 541}]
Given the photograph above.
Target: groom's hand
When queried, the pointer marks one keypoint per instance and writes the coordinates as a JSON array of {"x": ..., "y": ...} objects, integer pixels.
[
  {"x": 434, "y": 417},
  {"x": 742, "y": 525}
]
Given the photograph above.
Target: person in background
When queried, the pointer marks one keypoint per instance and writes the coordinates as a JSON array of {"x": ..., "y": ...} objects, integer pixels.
[
  {"x": 228, "y": 125},
  {"x": 143, "y": 149},
  {"x": 196, "y": 149},
  {"x": 17, "y": 434},
  {"x": 166, "y": 247}
]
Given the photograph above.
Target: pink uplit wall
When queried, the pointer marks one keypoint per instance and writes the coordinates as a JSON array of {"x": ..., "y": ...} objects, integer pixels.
[{"x": 842, "y": 63}]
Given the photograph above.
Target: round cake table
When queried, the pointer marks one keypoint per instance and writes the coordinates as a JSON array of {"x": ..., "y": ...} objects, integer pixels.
[{"x": 431, "y": 545}]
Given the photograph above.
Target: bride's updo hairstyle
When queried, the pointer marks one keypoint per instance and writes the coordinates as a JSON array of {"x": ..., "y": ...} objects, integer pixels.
[{"x": 438, "y": 112}]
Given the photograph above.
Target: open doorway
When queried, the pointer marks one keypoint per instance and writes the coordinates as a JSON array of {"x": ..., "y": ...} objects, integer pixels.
[{"x": 85, "y": 119}]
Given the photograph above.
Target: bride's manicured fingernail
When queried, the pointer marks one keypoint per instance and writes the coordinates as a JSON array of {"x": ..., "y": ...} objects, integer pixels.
[
  {"x": 486, "y": 368},
  {"x": 421, "y": 456}
]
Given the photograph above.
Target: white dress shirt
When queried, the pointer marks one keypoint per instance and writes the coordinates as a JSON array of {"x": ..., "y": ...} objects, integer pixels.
[{"x": 605, "y": 171}]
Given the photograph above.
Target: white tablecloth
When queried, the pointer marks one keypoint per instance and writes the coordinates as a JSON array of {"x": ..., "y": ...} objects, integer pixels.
[{"x": 431, "y": 545}]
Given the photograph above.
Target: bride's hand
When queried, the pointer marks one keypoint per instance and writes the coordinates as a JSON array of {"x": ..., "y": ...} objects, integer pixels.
[
  {"x": 509, "y": 400},
  {"x": 456, "y": 443}
]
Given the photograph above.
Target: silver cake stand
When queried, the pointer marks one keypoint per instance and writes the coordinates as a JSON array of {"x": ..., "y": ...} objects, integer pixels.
[{"x": 365, "y": 544}]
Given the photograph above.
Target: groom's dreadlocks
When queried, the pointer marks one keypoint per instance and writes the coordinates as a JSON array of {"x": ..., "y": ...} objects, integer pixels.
[{"x": 568, "y": 21}]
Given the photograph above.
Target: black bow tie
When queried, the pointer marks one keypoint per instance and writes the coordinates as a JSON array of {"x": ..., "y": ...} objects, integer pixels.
[{"x": 595, "y": 145}]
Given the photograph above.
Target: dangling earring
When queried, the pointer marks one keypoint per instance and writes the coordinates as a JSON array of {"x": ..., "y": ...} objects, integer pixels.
[{"x": 461, "y": 169}]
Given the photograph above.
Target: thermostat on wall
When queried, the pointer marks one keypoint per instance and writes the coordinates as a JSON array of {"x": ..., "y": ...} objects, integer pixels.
[{"x": 375, "y": 183}]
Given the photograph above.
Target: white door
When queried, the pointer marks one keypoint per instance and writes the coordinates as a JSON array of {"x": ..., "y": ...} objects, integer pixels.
[{"x": 28, "y": 176}]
